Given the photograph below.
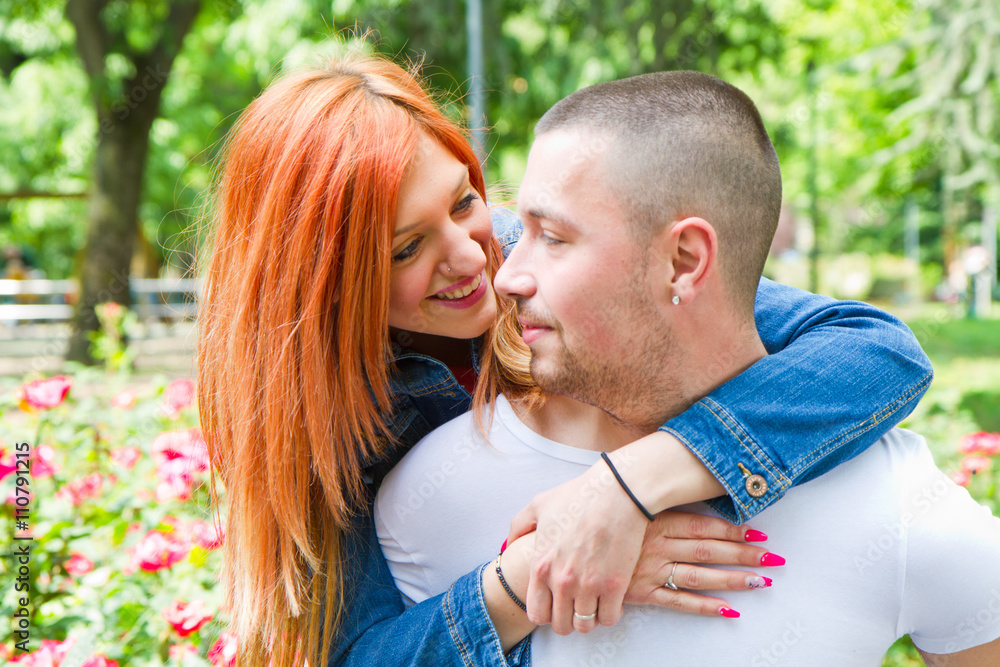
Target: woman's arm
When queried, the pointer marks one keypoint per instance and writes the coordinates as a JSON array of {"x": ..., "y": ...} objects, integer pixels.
[{"x": 839, "y": 376}]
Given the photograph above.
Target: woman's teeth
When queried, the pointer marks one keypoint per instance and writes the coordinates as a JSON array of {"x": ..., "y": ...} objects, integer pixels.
[{"x": 465, "y": 291}]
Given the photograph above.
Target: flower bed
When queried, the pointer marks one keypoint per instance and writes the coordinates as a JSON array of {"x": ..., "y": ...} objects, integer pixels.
[{"x": 105, "y": 493}]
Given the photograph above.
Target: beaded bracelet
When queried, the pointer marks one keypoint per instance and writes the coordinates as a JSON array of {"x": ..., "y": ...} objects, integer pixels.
[
  {"x": 503, "y": 582},
  {"x": 627, "y": 490}
]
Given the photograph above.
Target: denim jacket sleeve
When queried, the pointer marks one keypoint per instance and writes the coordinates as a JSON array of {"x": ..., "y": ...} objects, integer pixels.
[
  {"x": 839, "y": 375},
  {"x": 453, "y": 628}
]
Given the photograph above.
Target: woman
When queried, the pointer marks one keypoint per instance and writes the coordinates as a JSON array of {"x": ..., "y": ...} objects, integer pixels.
[{"x": 342, "y": 316}]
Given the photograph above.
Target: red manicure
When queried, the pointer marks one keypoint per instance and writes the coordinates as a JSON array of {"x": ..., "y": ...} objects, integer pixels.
[
  {"x": 767, "y": 581},
  {"x": 504, "y": 547},
  {"x": 772, "y": 560},
  {"x": 729, "y": 613},
  {"x": 754, "y": 536}
]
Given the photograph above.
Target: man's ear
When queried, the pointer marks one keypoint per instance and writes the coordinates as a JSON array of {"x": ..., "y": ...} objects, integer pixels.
[{"x": 687, "y": 252}]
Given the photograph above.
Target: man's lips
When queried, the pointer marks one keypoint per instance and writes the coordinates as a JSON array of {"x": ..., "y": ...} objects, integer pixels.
[{"x": 530, "y": 331}]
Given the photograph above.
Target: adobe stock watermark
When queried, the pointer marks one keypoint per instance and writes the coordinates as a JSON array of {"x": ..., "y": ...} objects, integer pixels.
[
  {"x": 976, "y": 622},
  {"x": 432, "y": 481},
  {"x": 794, "y": 631},
  {"x": 893, "y": 533}
]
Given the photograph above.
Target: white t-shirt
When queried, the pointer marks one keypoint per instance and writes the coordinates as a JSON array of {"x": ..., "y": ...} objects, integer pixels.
[{"x": 882, "y": 546}]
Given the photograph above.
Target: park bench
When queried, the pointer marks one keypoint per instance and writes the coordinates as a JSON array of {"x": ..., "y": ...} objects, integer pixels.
[{"x": 36, "y": 301}]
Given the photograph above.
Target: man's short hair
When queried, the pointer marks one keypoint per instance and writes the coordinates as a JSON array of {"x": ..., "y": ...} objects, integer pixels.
[{"x": 686, "y": 144}]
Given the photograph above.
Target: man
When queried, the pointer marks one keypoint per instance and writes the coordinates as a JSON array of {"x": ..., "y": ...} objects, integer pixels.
[{"x": 648, "y": 207}]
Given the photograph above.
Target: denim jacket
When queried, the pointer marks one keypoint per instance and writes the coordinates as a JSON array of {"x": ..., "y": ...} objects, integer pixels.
[{"x": 840, "y": 374}]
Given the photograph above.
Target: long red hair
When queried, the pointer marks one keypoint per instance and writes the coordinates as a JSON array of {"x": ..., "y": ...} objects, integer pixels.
[{"x": 294, "y": 350}]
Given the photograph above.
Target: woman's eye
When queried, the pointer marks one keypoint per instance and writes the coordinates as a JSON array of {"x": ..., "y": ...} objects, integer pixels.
[
  {"x": 409, "y": 250},
  {"x": 466, "y": 203}
]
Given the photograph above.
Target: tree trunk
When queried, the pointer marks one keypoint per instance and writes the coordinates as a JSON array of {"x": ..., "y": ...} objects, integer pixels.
[
  {"x": 120, "y": 154},
  {"x": 119, "y": 165}
]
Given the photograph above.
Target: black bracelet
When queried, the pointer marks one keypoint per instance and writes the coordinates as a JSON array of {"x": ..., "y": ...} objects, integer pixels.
[
  {"x": 503, "y": 582},
  {"x": 627, "y": 490}
]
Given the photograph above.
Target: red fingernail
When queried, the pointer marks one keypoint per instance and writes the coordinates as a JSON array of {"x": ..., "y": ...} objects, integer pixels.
[
  {"x": 504, "y": 547},
  {"x": 755, "y": 536},
  {"x": 771, "y": 560},
  {"x": 729, "y": 613},
  {"x": 768, "y": 581}
]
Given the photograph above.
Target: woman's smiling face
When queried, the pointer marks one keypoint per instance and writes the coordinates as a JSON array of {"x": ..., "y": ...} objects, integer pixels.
[{"x": 439, "y": 285}]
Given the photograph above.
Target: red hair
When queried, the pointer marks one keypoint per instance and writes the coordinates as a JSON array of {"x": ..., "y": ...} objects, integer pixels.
[{"x": 294, "y": 353}]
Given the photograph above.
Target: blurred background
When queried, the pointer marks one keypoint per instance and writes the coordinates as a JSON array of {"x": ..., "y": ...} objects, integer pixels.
[{"x": 885, "y": 115}]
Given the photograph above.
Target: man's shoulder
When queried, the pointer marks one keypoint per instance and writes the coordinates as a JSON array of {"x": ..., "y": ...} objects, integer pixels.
[{"x": 454, "y": 437}]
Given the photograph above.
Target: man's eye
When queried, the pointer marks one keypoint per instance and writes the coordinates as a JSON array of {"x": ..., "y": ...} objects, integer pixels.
[
  {"x": 549, "y": 240},
  {"x": 409, "y": 250}
]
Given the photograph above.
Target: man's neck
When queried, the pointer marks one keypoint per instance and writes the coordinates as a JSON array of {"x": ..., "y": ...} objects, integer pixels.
[
  {"x": 570, "y": 422},
  {"x": 706, "y": 361}
]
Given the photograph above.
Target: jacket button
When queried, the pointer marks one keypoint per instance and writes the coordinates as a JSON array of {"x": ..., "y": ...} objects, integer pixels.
[{"x": 756, "y": 485}]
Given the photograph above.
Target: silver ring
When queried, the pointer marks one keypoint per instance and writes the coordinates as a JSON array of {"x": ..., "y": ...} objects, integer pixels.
[
  {"x": 581, "y": 617},
  {"x": 670, "y": 580}
]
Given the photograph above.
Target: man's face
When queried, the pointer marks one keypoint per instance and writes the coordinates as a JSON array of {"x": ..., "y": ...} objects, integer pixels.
[{"x": 580, "y": 281}]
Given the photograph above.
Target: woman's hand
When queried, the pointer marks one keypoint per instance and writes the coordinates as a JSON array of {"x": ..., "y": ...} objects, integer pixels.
[
  {"x": 675, "y": 545},
  {"x": 673, "y": 548}
]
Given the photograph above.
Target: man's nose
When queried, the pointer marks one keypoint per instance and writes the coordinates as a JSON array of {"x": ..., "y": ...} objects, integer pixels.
[{"x": 514, "y": 278}]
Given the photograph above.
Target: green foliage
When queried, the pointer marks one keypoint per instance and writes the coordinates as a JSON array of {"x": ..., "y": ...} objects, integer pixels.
[{"x": 109, "y": 344}]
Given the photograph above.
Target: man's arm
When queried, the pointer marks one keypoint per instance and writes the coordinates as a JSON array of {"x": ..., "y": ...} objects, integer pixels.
[{"x": 977, "y": 656}]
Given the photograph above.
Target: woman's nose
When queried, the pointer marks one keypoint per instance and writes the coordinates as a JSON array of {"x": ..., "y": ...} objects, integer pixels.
[{"x": 465, "y": 256}]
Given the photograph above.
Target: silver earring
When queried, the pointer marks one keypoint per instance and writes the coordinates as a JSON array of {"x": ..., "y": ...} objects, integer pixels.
[
  {"x": 449, "y": 269},
  {"x": 676, "y": 300}
]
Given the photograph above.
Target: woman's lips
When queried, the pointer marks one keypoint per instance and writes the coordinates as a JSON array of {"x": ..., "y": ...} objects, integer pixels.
[{"x": 467, "y": 301}]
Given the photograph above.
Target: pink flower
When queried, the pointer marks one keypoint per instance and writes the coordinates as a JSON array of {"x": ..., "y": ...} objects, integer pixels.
[
  {"x": 45, "y": 394},
  {"x": 223, "y": 651},
  {"x": 112, "y": 309},
  {"x": 126, "y": 457},
  {"x": 982, "y": 442},
  {"x": 124, "y": 400},
  {"x": 49, "y": 654},
  {"x": 179, "y": 456},
  {"x": 99, "y": 660},
  {"x": 77, "y": 564},
  {"x": 158, "y": 550},
  {"x": 82, "y": 488},
  {"x": 43, "y": 463},
  {"x": 177, "y": 488},
  {"x": 178, "y": 395},
  {"x": 187, "y": 618},
  {"x": 976, "y": 464},
  {"x": 206, "y": 534},
  {"x": 961, "y": 477},
  {"x": 7, "y": 463}
]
